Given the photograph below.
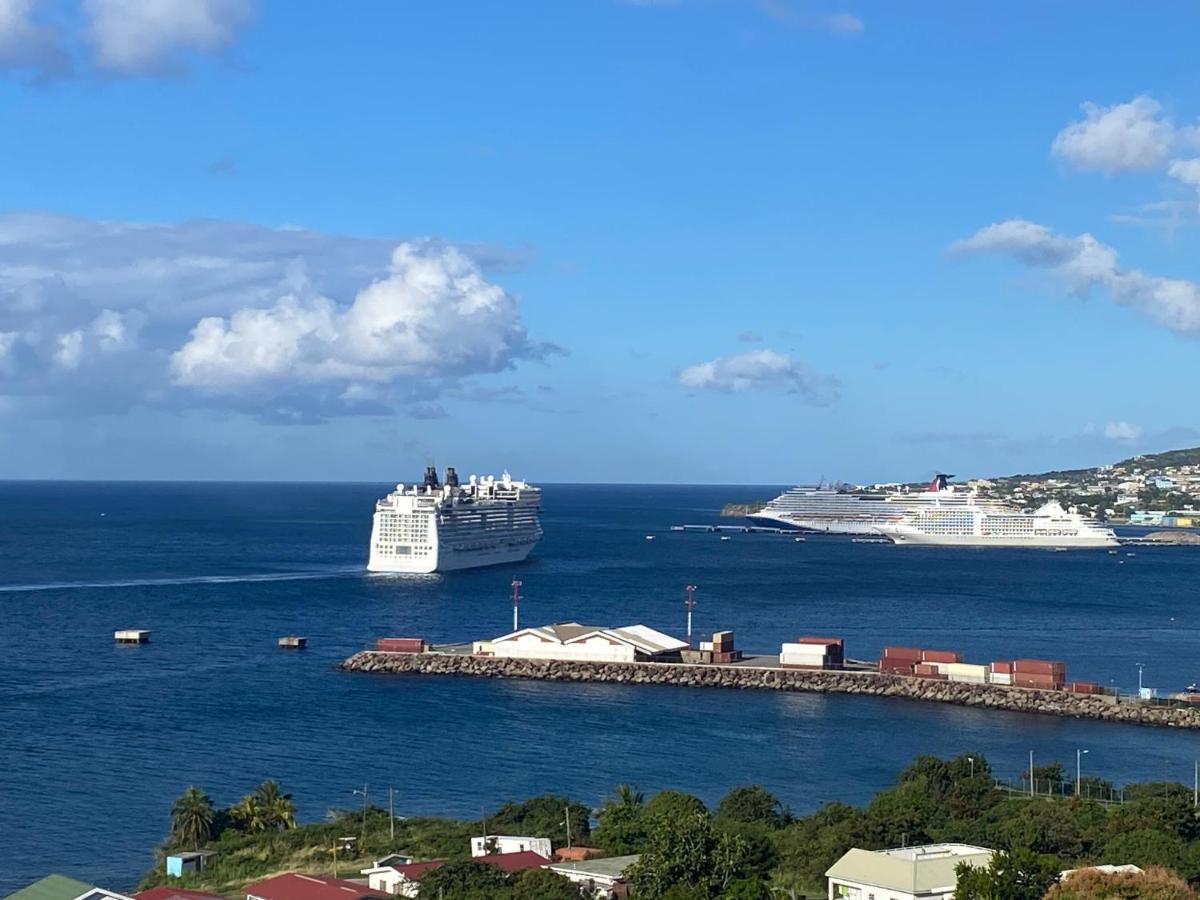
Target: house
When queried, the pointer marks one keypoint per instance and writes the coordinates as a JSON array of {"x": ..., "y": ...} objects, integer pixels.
[
  {"x": 179, "y": 864},
  {"x": 60, "y": 887},
  {"x": 173, "y": 893},
  {"x": 405, "y": 880},
  {"x": 294, "y": 886},
  {"x": 399, "y": 879},
  {"x": 507, "y": 843},
  {"x": 605, "y": 878},
  {"x": 592, "y": 643},
  {"x": 907, "y": 873}
]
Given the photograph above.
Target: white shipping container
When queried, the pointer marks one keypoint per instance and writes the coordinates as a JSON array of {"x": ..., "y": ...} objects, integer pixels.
[
  {"x": 969, "y": 679},
  {"x": 804, "y": 649},
  {"x": 706, "y": 645},
  {"x": 790, "y": 659},
  {"x": 1001, "y": 678},
  {"x": 966, "y": 670}
]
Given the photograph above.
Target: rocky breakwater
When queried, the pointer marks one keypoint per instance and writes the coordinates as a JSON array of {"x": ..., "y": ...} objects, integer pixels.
[{"x": 1054, "y": 703}]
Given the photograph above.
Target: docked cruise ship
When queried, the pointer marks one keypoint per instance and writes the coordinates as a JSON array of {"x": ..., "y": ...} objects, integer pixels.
[
  {"x": 840, "y": 510},
  {"x": 940, "y": 514},
  {"x": 435, "y": 527},
  {"x": 985, "y": 523}
]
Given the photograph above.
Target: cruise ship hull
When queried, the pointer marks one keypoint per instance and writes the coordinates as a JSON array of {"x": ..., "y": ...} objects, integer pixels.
[
  {"x": 449, "y": 560},
  {"x": 902, "y": 537}
]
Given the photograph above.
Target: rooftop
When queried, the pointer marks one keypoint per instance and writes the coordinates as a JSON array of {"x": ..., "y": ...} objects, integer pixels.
[
  {"x": 914, "y": 870},
  {"x": 609, "y": 867},
  {"x": 165, "y": 892},
  {"x": 293, "y": 886}
]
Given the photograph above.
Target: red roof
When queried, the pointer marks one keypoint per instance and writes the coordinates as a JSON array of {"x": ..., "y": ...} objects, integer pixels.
[
  {"x": 294, "y": 886},
  {"x": 514, "y": 862},
  {"x": 415, "y": 871},
  {"x": 164, "y": 892}
]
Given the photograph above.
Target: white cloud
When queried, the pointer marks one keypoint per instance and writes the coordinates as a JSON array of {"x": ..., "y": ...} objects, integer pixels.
[
  {"x": 761, "y": 370},
  {"x": 1186, "y": 171},
  {"x": 1133, "y": 135},
  {"x": 27, "y": 44},
  {"x": 1122, "y": 431},
  {"x": 1083, "y": 262},
  {"x": 137, "y": 37},
  {"x": 286, "y": 323}
]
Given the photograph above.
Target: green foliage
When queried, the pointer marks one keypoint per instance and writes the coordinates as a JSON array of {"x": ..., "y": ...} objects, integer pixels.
[
  {"x": 1045, "y": 826},
  {"x": 747, "y": 889},
  {"x": 1153, "y": 884},
  {"x": 687, "y": 850},
  {"x": 1011, "y": 875},
  {"x": 266, "y": 809},
  {"x": 622, "y": 828},
  {"x": 544, "y": 816},
  {"x": 542, "y": 884},
  {"x": 673, "y": 804},
  {"x": 192, "y": 816},
  {"x": 464, "y": 880},
  {"x": 751, "y": 804}
]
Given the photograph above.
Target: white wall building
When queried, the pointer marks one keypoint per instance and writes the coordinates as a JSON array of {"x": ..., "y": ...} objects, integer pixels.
[
  {"x": 600, "y": 876},
  {"x": 591, "y": 643},
  {"x": 507, "y": 843},
  {"x": 909, "y": 873}
]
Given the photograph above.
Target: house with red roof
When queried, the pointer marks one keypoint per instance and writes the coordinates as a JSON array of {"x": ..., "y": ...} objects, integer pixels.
[
  {"x": 294, "y": 886},
  {"x": 173, "y": 893}
]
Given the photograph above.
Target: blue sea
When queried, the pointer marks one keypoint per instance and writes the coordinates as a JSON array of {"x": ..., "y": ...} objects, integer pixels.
[{"x": 96, "y": 740}]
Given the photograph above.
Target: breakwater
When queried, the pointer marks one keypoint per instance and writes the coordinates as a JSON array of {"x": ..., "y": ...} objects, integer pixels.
[{"x": 744, "y": 677}]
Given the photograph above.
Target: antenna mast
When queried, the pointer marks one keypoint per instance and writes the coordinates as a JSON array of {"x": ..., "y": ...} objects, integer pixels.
[
  {"x": 516, "y": 598},
  {"x": 691, "y": 604}
]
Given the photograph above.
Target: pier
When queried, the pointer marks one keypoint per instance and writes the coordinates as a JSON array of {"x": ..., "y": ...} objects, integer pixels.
[
  {"x": 734, "y": 529},
  {"x": 764, "y": 673}
]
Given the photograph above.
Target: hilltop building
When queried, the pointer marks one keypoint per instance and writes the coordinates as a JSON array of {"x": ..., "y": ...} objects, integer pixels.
[{"x": 906, "y": 873}]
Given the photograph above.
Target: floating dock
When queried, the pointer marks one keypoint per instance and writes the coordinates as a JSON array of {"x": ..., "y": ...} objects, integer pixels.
[{"x": 132, "y": 636}]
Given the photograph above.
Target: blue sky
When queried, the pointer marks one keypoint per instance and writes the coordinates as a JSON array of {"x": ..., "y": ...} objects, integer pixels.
[{"x": 703, "y": 240}]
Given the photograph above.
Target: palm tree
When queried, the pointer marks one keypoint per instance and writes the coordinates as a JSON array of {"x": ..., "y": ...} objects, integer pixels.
[
  {"x": 192, "y": 818},
  {"x": 247, "y": 812},
  {"x": 276, "y": 807},
  {"x": 629, "y": 797}
]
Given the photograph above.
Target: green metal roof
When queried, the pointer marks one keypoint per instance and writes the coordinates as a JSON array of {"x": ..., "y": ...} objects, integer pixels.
[{"x": 52, "y": 887}]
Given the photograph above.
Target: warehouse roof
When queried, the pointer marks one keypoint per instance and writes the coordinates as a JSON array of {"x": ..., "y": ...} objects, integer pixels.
[
  {"x": 60, "y": 887},
  {"x": 643, "y": 638},
  {"x": 611, "y": 867},
  {"x": 914, "y": 870}
]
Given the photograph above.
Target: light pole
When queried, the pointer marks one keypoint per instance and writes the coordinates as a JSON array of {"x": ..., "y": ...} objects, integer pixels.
[
  {"x": 1196, "y": 784},
  {"x": 516, "y": 598},
  {"x": 971, "y": 760},
  {"x": 1078, "y": 765},
  {"x": 364, "y": 796},
  {"x": 691, "y": 604},
  {"x": 1140, "y": 666},
  {"x": 1032, "y": 789},
  {"x": 392, "y": 812}
]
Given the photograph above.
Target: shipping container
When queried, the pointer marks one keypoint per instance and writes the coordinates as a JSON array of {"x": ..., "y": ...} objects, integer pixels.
[
  {"x": 400, "y": 645},
  {"x": 966, "y": 670},
  {"x": 964, "y": 678},
  {"x": 912, "y": 654},
  {"x": 1041, "y": 682},
  {"x": 1039, "y": 667},
  {"x": 809, "y": 639},
  {"x": 925, "y": 669},
  {"x": 895, "y": 667},
  {"x": 941, "y": 656},
  {"x": 1001, "y": 678},
  {"x": 1002, "y": 666}
]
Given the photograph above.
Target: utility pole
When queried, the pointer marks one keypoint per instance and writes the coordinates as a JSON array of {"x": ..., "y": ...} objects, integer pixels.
[
  {"x": 971, "y": 760},
  {"x": 516, "y": 598},
  {"x": 1078, "y": 764},
  {"x": 568, "y": 827},
  {"x": 364, "y": 822},
  {"x": 691, "y": 604},
  {"x": 392, "y": 812},
  {"x": 1140, "y": 666},
  {"x": 1196, "y": 783},
  {"x": 1032, "y": 789}
]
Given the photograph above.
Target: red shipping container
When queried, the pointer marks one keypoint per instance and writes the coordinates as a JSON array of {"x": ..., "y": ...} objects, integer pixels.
[
  {"x": 895, "y": 667},
  {"x": 912, "y": 654},
  {"x": 941, "y": 656},
  {"x": 809, "y": 639},
  {"x": 400, "y": 645},
  {"x": 925, "y": 669},
  {"x": 1085, "y": 687},
  {"x": 1002, "y": 667},
  {"x": 1039, "y": 667},
  {"x": 1041, "y": 682}
]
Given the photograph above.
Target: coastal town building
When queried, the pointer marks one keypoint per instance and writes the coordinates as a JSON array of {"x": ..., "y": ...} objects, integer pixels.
[
  {"x": 507, "y": 843},
  {"x": 605, "y": 878},
  {"x": 405, "y": 880},
  {"x": 187, "y": 861},
  {"x": 590, "y": 643},
  {"x": 906, "y": 873},
  {"x": 60, "y": 887},
  {"x": 294, "y": 886},
  {"x": 164, "y": 892}
]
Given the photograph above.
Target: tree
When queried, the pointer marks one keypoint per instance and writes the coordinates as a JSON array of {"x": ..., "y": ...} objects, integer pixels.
[
  {"x": 544, "y": 816},
  {"x": 687, "y": 850},
  {"x": 275, "y": 806},
  {"x": 1092, "y": 884},
  {"x": 751, "y": 804},
  {"x": 192, "y": 817},
  {"x": 542, "y": 884},
  {"x": 1047, "y": 826},
  {"x": 1152, "y": 847},
  {"x": 747, "y": 889},
  {"x": 465, "y": 880},
  {"x": 673, "y": 804},
  {"x": 1011, "y": 875},
  {"x": 622, "y": 827}
]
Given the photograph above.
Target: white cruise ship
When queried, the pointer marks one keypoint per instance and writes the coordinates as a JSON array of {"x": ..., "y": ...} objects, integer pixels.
[
  {"x": 987, "y": 523},
  {"x": 431, "y": 527},
  {"x": 837, "y": 510}
]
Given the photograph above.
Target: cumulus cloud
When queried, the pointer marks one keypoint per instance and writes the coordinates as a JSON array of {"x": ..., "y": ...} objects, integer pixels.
[
  {"x": 801, "y": 16},
  {"x": 1082, "y": 263},
  {"x": 1122, "y": 431},
  {"x": 137, "y": 37},
  {"x": 1133, "y": 135},
  {"x": 26, "y": 44},
  {"x": 761, "y": 370},
  {"x": 288, "y": 324}
]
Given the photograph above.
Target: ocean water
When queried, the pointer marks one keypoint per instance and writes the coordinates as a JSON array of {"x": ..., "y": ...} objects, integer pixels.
[{"x": 96, "y": 740}]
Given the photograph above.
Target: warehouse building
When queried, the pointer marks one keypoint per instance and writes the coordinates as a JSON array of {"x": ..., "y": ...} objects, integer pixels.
[
  {"x": 585, "y": 643},
  {"x": 907, "y": 873}
]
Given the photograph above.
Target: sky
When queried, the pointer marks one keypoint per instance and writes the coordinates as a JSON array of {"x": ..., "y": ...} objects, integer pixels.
[{"x": 721, "y": 241}]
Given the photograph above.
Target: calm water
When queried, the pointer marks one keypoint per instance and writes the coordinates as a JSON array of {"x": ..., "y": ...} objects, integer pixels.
[{"x": 95, "y": 740}]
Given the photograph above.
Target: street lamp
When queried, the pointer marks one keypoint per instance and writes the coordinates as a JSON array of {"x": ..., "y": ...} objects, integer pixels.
[
  {"x": 1140, "y": 666},
  {"x": 1078, "y": 766},
  {"x": 971, "y": 760},
  {"x": 364, "y": 796}
]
